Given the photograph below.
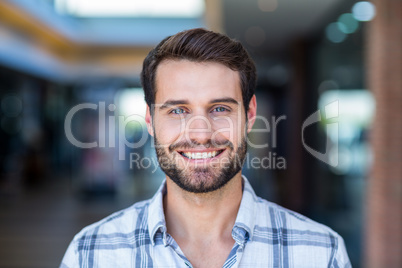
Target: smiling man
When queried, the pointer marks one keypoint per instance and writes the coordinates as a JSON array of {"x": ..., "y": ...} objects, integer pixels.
[{"x": 199, "y": 89}]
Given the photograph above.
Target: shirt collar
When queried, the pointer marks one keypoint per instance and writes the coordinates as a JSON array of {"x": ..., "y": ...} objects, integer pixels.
[
  {"x": 156, "y": 217},
  {"x": 245, "y": 220},
  {"x": 242, "y": 229}
]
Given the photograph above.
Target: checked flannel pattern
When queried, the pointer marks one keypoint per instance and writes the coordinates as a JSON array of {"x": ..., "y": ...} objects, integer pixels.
[{"x": 265, "y": 234}]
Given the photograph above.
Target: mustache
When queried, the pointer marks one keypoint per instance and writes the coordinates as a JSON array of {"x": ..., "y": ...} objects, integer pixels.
[{"x": 195, "y": 144}]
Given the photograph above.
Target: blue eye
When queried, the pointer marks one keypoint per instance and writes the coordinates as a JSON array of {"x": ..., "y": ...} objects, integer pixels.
[
  {"x": 219, "y": 109},
  {"x": 178, "y": 111}
]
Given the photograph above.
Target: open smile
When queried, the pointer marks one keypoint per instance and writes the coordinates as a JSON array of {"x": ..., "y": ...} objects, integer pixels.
[{"x": 200, "y": 155}]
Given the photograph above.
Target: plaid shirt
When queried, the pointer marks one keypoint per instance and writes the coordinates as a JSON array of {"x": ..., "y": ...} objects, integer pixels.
[{"x": 265, "y": 234}]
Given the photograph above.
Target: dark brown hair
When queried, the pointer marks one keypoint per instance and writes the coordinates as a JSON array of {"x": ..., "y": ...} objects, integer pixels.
[{"x": 200, "y": 45}]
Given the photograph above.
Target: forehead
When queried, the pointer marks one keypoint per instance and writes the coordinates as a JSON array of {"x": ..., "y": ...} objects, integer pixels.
[{"x": 196, "y": 81}]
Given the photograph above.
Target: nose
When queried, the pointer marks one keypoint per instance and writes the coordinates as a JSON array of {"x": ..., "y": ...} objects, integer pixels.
[{"x": 198, "y": 128}]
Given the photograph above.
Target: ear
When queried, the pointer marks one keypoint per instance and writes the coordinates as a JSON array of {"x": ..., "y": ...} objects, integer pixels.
[
  {"x": 252, "y": 113},
  {"x": 148, "y": 121}
]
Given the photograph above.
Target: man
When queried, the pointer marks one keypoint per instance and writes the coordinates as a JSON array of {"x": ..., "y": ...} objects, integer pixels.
[{"x": 199, "y": 89}]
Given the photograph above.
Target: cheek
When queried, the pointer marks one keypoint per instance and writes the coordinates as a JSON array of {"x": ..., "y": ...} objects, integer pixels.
[
  {"x": 168, "y": 131},
  {"x": 229, "y": 128},
  {"x": 223, "y": 128}
]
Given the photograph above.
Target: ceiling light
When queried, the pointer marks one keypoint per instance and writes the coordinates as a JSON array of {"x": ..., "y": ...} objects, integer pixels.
[{"x": 363, "y": 11}]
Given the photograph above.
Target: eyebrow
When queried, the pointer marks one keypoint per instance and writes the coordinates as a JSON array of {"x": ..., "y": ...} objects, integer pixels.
[
  {"x": 170, "y": 103},
  {"x": 227, "y": 100}
]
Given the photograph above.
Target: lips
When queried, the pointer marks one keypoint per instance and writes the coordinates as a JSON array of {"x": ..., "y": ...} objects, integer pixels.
[{"x": 201, "y": 155}]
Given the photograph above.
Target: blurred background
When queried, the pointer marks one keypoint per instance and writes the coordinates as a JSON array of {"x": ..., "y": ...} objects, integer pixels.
[{"x": 73, "y": 146}]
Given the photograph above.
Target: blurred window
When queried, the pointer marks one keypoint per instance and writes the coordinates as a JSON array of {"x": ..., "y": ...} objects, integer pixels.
[{"x": 131, "y": 8}]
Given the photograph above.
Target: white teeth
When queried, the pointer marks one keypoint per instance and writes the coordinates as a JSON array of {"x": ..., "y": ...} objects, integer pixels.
[{"x": 203, "y": 155}]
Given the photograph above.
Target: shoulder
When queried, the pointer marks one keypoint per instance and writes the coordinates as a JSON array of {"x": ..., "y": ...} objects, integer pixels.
[
  {"x": 283, "y": 218},
  {"x": 121, "y": 223},
  {"x": 304, "y": 239},
  {"x": 107, "y": 241}
]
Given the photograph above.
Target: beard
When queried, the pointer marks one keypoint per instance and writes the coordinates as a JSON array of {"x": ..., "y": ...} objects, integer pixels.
[{"x": 206, "y": 178}]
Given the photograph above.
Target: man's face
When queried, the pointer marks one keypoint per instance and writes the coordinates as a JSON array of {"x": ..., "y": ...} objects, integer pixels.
[{"x": 199, "y": 124}]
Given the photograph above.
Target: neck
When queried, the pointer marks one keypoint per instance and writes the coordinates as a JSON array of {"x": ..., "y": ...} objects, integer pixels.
[{"x": 195, "y": 217}]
